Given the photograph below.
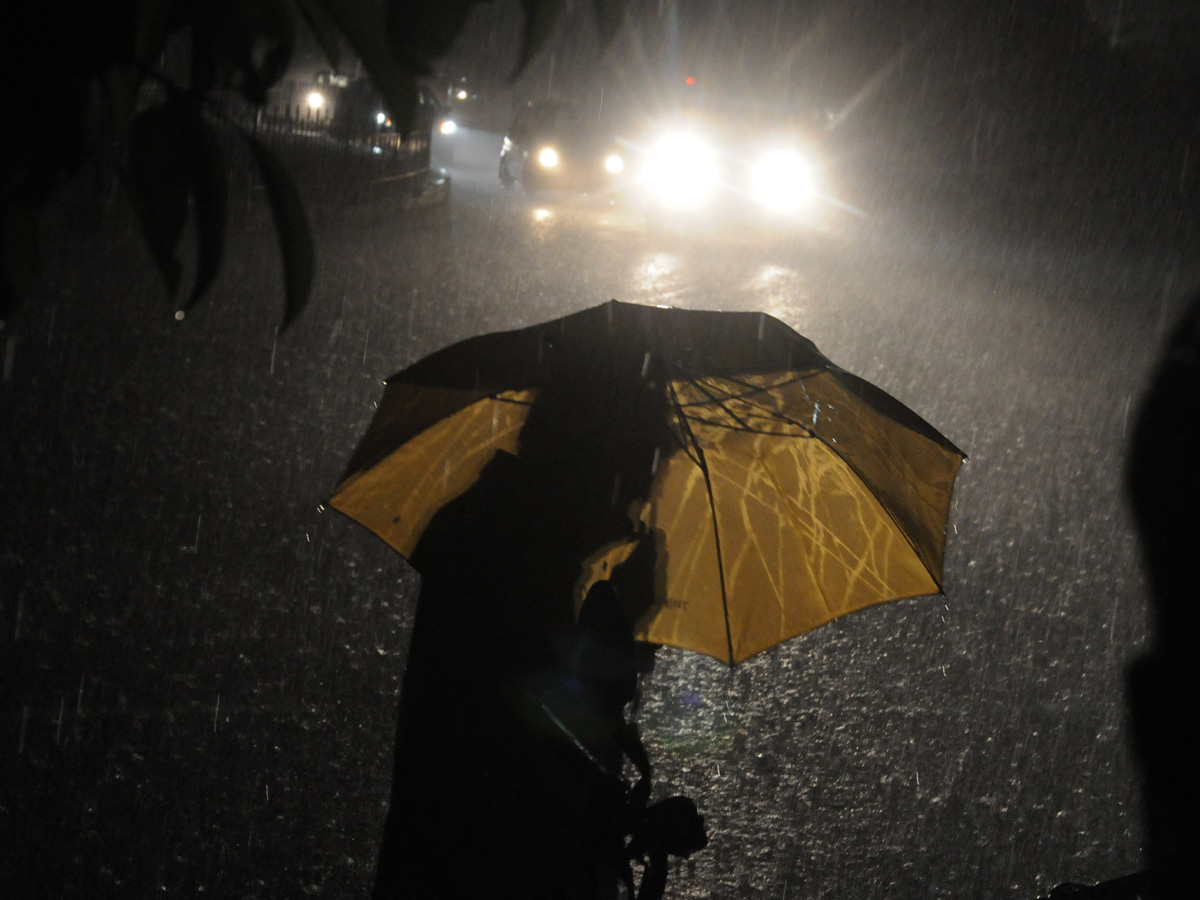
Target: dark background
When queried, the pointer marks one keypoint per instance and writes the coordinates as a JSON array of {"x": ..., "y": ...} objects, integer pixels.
[{"x": 199, "y": 668}]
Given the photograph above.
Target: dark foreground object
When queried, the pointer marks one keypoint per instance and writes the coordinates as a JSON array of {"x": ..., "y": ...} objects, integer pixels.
[
  {"x": 1130, "y": 887},
  {"x": 511, "y": 741}
]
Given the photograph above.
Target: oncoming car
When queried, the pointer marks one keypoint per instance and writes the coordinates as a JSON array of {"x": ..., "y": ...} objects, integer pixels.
[
  {"x": 731, "y": 164},
  {"x": 553, "y": 145}
]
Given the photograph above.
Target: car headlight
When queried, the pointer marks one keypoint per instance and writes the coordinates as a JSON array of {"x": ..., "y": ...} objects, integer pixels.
[
  {"x": 681, "y": 171},
  {"x": 548, "y": 157},
  {"x": 315, "y": 100},
  {"x": 448, "y": 127},
  {"x": 613, "y": 164},
  {"x": 782, "y": 181}
]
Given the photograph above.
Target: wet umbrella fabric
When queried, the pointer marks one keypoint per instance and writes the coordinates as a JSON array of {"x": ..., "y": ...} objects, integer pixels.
[{"x": 787, "y": 492}]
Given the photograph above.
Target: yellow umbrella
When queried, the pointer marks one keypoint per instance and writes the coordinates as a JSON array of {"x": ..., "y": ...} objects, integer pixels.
[{"x": 790, "y": 493}]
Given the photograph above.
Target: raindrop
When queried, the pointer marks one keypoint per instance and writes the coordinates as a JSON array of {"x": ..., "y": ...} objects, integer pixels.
[
  {"x": 180, "y": 315},
  {"x": 654, "y": 462},
  {"x": 645, "y": 363}
]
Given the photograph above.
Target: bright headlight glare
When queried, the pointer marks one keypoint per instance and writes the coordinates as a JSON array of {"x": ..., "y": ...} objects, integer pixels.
[
  {"x": 315, "y": 100},
  {"x": 548, "y": 157},
  {"x": 782, "y": 181},
  {"x": 682, "y": 171},
  {"x": 448, "y": 127},
  {"x": 380, "y": 118},
  {"x": 614, "y": 164}
]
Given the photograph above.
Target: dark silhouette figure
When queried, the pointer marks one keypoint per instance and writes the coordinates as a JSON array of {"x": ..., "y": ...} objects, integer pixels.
[
  {"x": 1163, "y": 686},
  {"x": 1163, "y": 479},
  {"x": 511, "y": 740}
]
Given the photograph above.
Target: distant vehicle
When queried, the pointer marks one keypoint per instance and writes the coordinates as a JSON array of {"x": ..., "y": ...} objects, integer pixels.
[
  {"x": 721, "y": 161},
  {"x": 553, "y": 145}
]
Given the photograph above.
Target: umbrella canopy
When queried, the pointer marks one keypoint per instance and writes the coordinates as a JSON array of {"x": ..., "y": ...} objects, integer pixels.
[{"x": 785, "y": 493}]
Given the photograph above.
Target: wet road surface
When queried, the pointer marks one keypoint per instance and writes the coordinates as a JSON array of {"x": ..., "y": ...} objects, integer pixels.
[{"x": 201, "y": 667}]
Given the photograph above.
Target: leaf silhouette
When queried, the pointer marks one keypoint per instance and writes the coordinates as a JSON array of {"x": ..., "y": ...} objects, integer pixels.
[
  {"x": 291, "y": 224},
  {"x": 210, "y": 189},
  {"x": 540, "y": 19},
  {"x": 160, "y": 182}
]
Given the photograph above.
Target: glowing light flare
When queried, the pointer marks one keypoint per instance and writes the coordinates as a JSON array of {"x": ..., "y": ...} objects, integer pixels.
[
  {"x": 682, "y": 171},
  {"x": 461, "y": 95},
  {"x": 448, "y": 127},
  {"x": 315, "y": 100},
  {"x": 614, "y": 164},
  {"x": 782, "y": 181},
  {"x": 548, "y": 157},
  {"x": 542, "y": 215}
]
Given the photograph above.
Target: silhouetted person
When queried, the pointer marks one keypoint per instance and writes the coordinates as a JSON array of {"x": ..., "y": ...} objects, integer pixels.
[
  {"x": 1164, "y": 685},
  {"x": 509, "y": 756},
  {"x": 605, "y": 662}
]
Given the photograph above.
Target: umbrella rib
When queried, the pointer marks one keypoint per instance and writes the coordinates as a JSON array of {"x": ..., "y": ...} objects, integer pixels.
[
  {"x": 702, "y": 462},
  {"x": 499, "y": 397},
  {"x": 750, "y": 390},
  {"x": 719, "y": 402},
  {"x": 772, "y": 413}
]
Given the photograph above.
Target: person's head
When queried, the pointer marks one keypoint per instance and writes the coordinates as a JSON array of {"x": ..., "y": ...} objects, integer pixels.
[{"x": 596, "y": 432}]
